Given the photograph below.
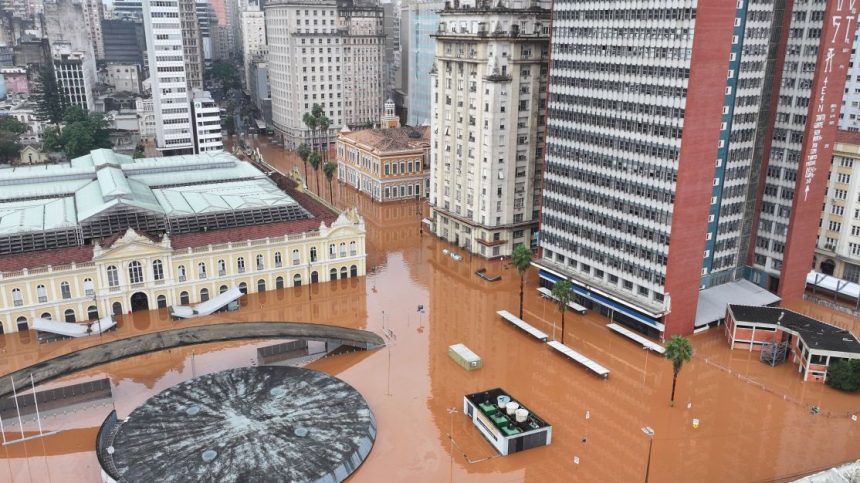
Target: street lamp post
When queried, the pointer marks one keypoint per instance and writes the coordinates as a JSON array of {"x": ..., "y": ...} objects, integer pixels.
[
  {"x": 98, "y": 319},
  {"x": 650, "y": 433}
]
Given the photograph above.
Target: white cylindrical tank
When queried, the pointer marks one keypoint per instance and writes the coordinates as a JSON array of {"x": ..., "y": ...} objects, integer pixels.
[
  {"x": 522, "y": 415},
  {"x": 503, "y": 400},
  {"x": 512, "y": 407}
]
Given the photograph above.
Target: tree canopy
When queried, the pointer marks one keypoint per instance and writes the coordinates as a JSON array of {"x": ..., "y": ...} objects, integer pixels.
[
  {"x": 844, "y": 374},
  {"x": 50, "y": 102},
  {"x": 10, "y": 130},
  {"x": 226, "y": 73},
  {"x": 82, "y": 133}
]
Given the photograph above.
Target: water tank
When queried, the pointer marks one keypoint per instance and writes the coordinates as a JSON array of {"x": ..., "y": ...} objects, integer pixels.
[
  {"x": 503, "y": 400},
  {"x": 512, "y": 407},
  {"x": 522, "y": 415}
]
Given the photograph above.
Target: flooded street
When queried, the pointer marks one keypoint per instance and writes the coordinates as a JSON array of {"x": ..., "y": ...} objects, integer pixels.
[{"x": 755, "y": 420}]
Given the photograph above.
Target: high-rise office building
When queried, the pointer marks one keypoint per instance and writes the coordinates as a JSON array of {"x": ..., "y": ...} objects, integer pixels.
[
  {"x": 329, "y": 53},
  {"x": 686, "y": 150},
  {"x": 418, "y": 22},
  {"x": 488, "y": 106},
  {"x": 93, "y": 15},
  {"x": 73, "y": 75},
  {"x": 849, "y": 117},
  {"x": 192, "y": 44},
  {"x": 72, "y": 50},
  {"x": 207, "y": 122},
  {"x": 253, "y": 38}
]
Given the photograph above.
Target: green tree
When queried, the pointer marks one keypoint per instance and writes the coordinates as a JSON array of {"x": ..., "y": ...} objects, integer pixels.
[
  {"x": 50, "y": 102},
  {"x": 315, "y": 159},
  {"x": 311, "y": 122},
  {"x": 323, "y": 124},
  {"x": 329, "y": 168},
  {"x": 304, "y": 152},
  {"x": 12, "y": 125},
  {"x": 226, "y": 73},
  {"x": 522, "y": 259},
  {"x": 51, "y": 139},
  {"x": 82, "y": 133},
  {"x": 679, "y": 350},
  {"x": 563, "y": 295},
  {"x": 10, "y": 148},
  {"x": 844, "y": 374}
]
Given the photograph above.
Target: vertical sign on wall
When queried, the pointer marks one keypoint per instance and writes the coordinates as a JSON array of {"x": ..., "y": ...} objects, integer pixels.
[{"x": 834, "y": 53}]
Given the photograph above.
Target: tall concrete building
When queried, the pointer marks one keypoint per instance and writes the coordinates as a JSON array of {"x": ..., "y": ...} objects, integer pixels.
[
  {"x": 418, "y": 22},
  {"x": 488, "y": 107},
  {"x": 324, "y": 52},
  {"x": 72, "y": 50},
  {"x": 167, "y": 67},
  {"x": 686, "y": 151},
  {"x": 93, "y": 16},
  {"x": 838, "y": 249},
  {"x": 74, "y": 78},
  {"x": 192, "y": 44},
  {"x": 207, "y": 122},
  {"x": 253, "y": 38}
]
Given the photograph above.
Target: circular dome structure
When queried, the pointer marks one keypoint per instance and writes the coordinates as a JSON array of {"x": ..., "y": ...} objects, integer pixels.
[{"x": 248, "y": 424}]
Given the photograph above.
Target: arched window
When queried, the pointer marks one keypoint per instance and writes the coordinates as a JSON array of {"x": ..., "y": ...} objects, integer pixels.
[
  {"x": 204, "y": 294},
  {"x": 261, "y": 285},
  {"x": 201, "y": 270},
  {"x": 279, "y": 282},
  {"x": 46, "y": 315},
  {"x": 278, "y": 261},
  {"x": 70, "y": 315},
  {"x": 222, "y": 268},
  {"x": 240, "y": 264},
  {"x": 65, "y": 290},
  {"x": 22, "y": 323},
  {"x": 17, "y": 298},
  {"x": 135, "y": 272},
  {"x": 182, "y": 275},
  {"x": 113, "y": 276},
  {"x": 243, "y": 287},
  {"x": 92, "y": 312},
  {"x": 89, "y": 289},
  {"x": 353, "y": 271},
  {"x": 343, "y": 249},
  {"x": 332, "y": 274},
  {"x": 331, "y": 251},
  {"x": 161, "y": 301},
  {"x": 297, "y": 280},
  {"x": 42, "y": 292},
  {"x": 352, "y": 248},
  {"x": 157, "y": 270},
  {"x": 315, "y": 277},
  {"x": 296, "y": 258},
  {"x": 260, "y": 265},
  {"x": 343, "y": 272},
  {"x": 117, "y": 308},
  {"x": 183, "y": 298},
  {"x": 313, "y": 254},
  {"x": 222, "y": 289}
]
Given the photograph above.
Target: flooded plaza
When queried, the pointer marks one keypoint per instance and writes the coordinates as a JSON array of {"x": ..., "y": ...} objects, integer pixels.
[{"x": 755, "y": 420}]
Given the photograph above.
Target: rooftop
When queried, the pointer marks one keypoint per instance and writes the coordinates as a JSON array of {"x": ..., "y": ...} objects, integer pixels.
[
  {"x": 848, "y": 137},
  {"x": 389, "y": 140},
  {"x": 816, "y": 335}
]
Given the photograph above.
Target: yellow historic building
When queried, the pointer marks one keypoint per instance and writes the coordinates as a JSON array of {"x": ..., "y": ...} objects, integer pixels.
[{"x": 253, "y": 236}]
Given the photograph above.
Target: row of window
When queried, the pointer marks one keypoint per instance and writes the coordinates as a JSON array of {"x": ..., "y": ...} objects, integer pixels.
[{"x": 42, "y": 292}]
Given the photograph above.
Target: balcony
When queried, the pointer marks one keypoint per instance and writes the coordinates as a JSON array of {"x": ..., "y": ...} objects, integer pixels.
[
  {"x": 19, "y": 303},
  {"x": 182, "y": 278},
  {"x": 241, "y": 269},
  {"x": 43, "y": 299}
]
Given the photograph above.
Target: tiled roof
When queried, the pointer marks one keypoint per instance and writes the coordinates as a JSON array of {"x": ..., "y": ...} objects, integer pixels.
[
  {"x": 848, "y": 137},
  {"x": 255, "y": 232},
  {"x": 816, "y": 334},
  {"x": 394, "y": 139},
  {"x": 43, "y": 258}
]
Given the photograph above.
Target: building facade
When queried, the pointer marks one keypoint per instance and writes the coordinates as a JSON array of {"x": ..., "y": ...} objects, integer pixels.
[
  {"x": 123, "y": 77},
  {"x": 838, "y": 249},
  {"x": 419, "y": 21},
  {"x": 93, "y": 15},
  {"x": 629, "y": 205},
  {"x": 388, "y": 164},
  {"x": 192, "y": 44},
  {"x": 207, "y": 122},
  {"x": 253, "y": 38},
  {"x": 288, "y": 241},
  {"x": 849, "y": 116},
  {"x": 328, "y": 53},
  {"x": 489, "y": 104},
  {"x": 74, "y": 76}
]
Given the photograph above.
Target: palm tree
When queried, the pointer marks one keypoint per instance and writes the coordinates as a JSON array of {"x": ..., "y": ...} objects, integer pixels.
[
  {"x": 304, "y": 152},
  {"x": 563, "y": 295},
  {"x": 522, "y": 259},
  {"x": 329, "y": 168},
  {"x": 315, "y": 161},
  {"x": 311, "y": 122},
  {"x": 678, "y": 350},
  {"x": 324, "y": 123}
]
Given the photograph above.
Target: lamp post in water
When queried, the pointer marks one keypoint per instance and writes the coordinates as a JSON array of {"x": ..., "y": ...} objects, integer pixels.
[{"x": 650, "y": 433}]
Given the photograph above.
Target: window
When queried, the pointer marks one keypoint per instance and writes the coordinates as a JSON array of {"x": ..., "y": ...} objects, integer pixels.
[
  {"x": 260, "y": 264},
  {"x": 89, "y": 290},
  {"x": 279, "y": 283},
  {"x": 352, "y": 248},
  {"x": 113, "y": 276},
  {"x": 331, "y": 251},
  {"x": 343, "y": 249},
  {"x": 204, "y": 294},
  {"x": 296, "y": 258},
  {"x": 353, "y": 271},
  {"x": 65, "y": 290},
  {"x": 18, "y": 300},
  {"x": 240, "y": 263},
  {"x": 117, "y": 308},
  {"x": 332, "y": 274},
  {"x": 201, "y": 270},
  {"x": 157, "y": 270},
  {"x": 135, "y": 272},
  {"x": 261, "y": 285},
  {"x": 92, "y": 313},
  {"x": 313, "y": 254},
  {"x": 222, "y": 289},
  {"x": 183, "y": 298},
  {"x": 222, "y": 268},
  {"x": 70, "y": 315},
  {"x": 278, "y": 261},
  {"x": 297, "y": 280},
  {"x": 42, "y": 293}
]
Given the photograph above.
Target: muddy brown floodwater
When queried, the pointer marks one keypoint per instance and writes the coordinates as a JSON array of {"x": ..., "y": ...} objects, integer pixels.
[{"x": 755, "y": 421}]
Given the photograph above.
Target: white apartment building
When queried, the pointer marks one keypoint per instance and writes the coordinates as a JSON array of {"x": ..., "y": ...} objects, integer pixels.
[
  {"x": 207, "y": 123},
  {"x": 849, "y": 115},
  {"x": 328, "y": 53},
  {"x": 488, "y": 107},
  {"x": 838, "y": 250},
  {"x": 170, "y": 97},
  {"x": 253, "y": 38},
  {"x": 74, "y": 75}
]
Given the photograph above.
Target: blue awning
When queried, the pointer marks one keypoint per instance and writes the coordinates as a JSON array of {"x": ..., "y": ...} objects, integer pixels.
[{"x": 605, "y": 302}]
